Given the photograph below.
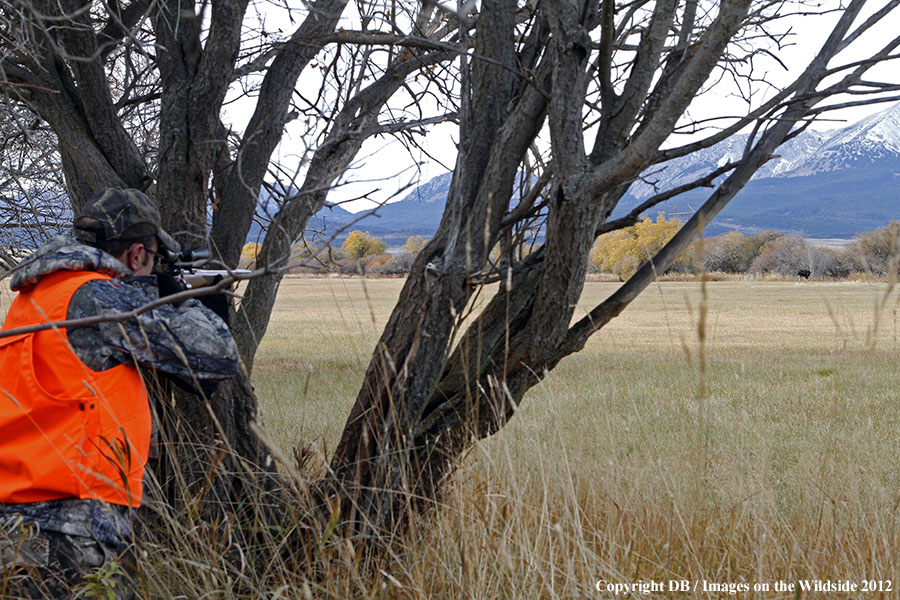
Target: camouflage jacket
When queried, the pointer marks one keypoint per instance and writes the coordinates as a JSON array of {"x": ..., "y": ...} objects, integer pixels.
[{"x": 186, "y": 341}]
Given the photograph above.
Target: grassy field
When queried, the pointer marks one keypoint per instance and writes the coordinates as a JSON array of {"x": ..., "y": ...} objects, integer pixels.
[
  {"x": 617, "y": 467},
  {"x": 765, "y": 455}
]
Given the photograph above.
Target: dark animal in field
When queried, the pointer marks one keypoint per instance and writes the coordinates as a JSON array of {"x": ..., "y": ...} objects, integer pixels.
[{"x": 803, "y": 274}]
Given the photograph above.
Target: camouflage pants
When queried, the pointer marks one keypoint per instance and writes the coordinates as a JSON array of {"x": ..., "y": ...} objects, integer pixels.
[{"x": 48, "y": 564}]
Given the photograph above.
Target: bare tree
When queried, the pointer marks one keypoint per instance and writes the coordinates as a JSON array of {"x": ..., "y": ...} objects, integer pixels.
[
  {"x": 612, "y": 82},
  {"x": 135, "y": 96},
  {"x": 31, "y": 189}
]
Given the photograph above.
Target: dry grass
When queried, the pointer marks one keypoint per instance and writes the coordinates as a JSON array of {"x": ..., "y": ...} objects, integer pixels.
[{"x": 614, "y": 468}]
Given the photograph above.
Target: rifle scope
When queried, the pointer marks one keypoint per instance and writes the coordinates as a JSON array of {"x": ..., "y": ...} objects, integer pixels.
[{"x": 185, "y": 256}]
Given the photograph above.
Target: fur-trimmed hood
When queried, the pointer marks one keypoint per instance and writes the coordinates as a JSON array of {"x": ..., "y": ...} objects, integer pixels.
[{"x": 63, "y": 253}]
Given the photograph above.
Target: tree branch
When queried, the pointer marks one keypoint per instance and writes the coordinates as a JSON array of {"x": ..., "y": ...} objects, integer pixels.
[
  {"x": 119, "y": 25},
  {"x": 750, "y": 163},
  {"x": 239, "y": 186},
  {"x": 657, "y": 127},
  {"x": 378, "y": 38},
  {"x": 632, "y": 217}
]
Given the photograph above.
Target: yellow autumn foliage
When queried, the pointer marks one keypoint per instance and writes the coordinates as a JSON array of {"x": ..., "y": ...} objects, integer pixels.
[
  {"x": 623, "y": 251},
  {"x": 414, "y": 244},
  {"x": 361, "y": 244},
  {"x": 249, "y": 253}
]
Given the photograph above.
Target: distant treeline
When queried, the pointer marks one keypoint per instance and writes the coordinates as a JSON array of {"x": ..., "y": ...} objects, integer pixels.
[
  {"x": 622, "y": 252},
  {"x": 361, "y": 253}
]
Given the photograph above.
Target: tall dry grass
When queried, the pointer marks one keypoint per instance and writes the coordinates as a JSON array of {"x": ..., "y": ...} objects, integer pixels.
[{"x": 618, "y": 467}]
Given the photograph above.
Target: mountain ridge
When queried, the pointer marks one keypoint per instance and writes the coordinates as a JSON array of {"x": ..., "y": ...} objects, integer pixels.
[{"x": 814, "y": 187}]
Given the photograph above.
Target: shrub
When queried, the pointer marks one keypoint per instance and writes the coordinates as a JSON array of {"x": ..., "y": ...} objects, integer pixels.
[
  {"x": 876, "y": 251},
  {"x": 361, "y": 244},
  {"x": 734, "y": 252},
  {"x": 623, "y": 252},
  {"x": 401, "y": 263},
  {"x": 784, "y": 255}
]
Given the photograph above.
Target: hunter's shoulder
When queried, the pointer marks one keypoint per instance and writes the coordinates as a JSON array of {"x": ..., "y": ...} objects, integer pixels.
[{"x": 62, "y": 253}]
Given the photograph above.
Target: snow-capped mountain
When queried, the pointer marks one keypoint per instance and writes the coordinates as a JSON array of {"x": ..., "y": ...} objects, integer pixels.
[
  {"x": 820, "y": 184},
  {"x": 873, "y": 139}
]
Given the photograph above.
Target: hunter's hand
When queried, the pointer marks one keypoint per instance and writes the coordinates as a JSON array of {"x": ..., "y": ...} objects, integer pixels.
[{"x": 168, "y": 285}]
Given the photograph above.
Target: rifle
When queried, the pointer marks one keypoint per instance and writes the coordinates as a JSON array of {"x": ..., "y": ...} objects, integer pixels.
[{"x": 186, "y": 266}]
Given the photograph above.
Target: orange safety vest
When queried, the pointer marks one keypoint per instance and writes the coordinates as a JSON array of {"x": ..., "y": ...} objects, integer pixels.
[{"x": 66, "y": 431}]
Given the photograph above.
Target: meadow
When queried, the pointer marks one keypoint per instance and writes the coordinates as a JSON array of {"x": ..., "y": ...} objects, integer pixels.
[{"x": 765, "y": 452}]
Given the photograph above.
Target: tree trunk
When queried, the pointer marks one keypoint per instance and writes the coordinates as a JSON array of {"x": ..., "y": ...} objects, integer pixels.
[{"x": 209, "y": 459}]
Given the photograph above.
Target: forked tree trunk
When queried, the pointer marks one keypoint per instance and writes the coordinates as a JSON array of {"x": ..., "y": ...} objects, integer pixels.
[{"x": 425, "y": 400}]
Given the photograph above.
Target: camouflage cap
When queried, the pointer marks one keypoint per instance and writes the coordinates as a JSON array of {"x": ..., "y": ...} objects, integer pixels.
[{"x": 119, "y": 211}]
